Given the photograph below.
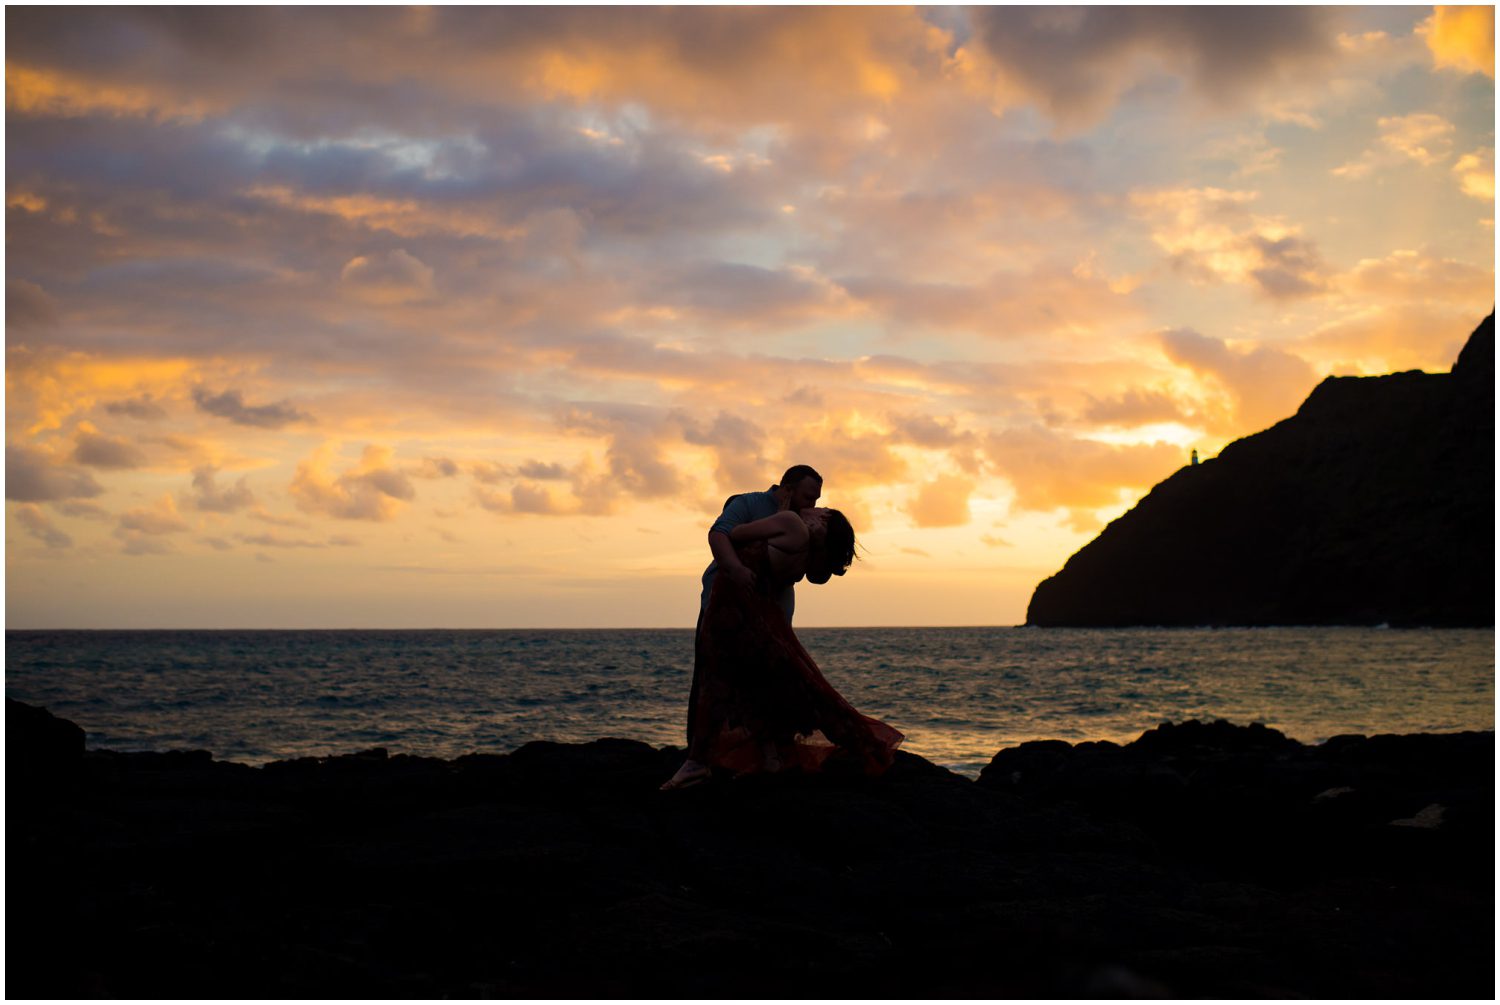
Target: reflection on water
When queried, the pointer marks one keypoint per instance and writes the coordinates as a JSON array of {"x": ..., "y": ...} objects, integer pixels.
[{"x": 959, "y": 694}]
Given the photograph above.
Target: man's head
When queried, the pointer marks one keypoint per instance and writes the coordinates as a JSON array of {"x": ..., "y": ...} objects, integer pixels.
[{"x": 800, "y": 488}]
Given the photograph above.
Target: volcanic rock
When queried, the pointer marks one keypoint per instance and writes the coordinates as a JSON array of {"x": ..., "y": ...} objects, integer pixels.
[{"x": 1201, "y": 860}]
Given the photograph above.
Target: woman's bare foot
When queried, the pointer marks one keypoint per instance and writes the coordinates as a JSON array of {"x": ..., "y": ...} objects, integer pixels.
[{"x": 691, "y": 773}]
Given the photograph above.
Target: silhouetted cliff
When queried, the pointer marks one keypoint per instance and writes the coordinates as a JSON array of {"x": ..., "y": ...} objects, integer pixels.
[{"x": 1374, "y": 504}]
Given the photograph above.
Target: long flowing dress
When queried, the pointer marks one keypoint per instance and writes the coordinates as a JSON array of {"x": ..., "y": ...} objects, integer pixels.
[{"x": 759, "y": 686}]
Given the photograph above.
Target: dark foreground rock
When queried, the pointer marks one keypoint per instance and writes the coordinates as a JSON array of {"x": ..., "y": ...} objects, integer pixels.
[
  {"x": 1374, "y": 504},
  {"x": 1202, "y": 860}
]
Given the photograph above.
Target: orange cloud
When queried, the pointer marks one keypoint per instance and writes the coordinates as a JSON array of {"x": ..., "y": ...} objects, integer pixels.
[
  {"x": 1476, "y": 174},
  {"x": 1135, "y": 407},
  {"x": 732, "y": 63},
  {"x": 1264, "y": 384},
  {"x": 847, "y": 461},
  {"x": 1462, "y": 39},
  {"x": 43, "y": 91},
  {"x": 737, "y": 444},
  {"x": 1211, "y": 235},
  {"x": 942, "y": 502},
  {"x": 1051, "y": 470},
  {"x": 1421, "y": 275},
  {"x": 403, "y": 217},
  {"x": 1417, "y": 335},
  {"x": 50, "y": 387},
  {"x": 1422, "y": 137},
  {"x": 371, "y": 490}
]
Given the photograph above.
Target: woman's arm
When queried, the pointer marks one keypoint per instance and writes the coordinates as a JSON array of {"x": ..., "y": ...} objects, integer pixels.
[{"x": 779, "y": 528}]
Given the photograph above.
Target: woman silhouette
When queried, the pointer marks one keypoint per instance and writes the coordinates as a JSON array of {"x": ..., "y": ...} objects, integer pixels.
[{"x": 762, "y": 704}]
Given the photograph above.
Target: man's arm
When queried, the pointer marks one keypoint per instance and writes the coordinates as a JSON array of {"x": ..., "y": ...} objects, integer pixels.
[
  {"x": 736, "y": 512},
  {"x": 729, "y": 563}
]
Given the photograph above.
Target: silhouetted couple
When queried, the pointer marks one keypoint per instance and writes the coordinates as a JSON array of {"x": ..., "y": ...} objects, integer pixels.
[{"x": 759, "y": 703}]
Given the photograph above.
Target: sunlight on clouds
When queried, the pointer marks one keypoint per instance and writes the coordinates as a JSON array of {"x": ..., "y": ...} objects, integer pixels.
[
  {"x": 1424, "y": 137},
  {"x": 1462, "y": 38},
  {"x": 1416, "y": 274},
  {"x": 1211, "y": 235},
  {"x": 571, "y": 75},
  {"x": 1393, "y": 337},
  {"x": 527, "y": 292},
  {"x": 942, "y": 502},
  {"x": 880, "y": 81},
  {"x": 1264, "y": 384},
  {"x": 1476, "y": 174},
  {"x": 1151, "y": 434},
  {"x": 369, "y": 490},
  {"x": 29, "y": 201},
  {"x": 388, "y": 278},
  {"x": 403, "y": 217},
  {"x": 31, "y": 91},
  {"x": 1050, "y": 470},
  {"x": 50, "y": 387}
]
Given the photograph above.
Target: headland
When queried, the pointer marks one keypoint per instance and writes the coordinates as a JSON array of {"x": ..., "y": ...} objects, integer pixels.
[{"x": 1373, "y": 504}]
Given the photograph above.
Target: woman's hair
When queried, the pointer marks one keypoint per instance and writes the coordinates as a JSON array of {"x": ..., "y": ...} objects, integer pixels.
[{"x": 839, "y": 542}]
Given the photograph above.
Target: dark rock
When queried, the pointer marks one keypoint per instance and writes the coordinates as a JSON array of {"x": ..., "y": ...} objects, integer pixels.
[
  {"x": 1201, "y": 860},
  {"x": 1374, "y": 504},
  {"x": 40, "y": 748},
  {"x": 1259, "y": 804}
]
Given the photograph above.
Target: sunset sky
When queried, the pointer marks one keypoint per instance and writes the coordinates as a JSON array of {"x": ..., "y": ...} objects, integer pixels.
[{"x": 472, "y": 318}]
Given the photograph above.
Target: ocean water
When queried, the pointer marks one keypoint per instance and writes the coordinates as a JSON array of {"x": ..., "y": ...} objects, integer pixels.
[{"x": 959, "y": 694}]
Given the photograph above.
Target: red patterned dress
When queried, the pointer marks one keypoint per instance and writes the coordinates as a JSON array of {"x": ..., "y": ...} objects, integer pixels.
[{"x": 760, "y": 688}]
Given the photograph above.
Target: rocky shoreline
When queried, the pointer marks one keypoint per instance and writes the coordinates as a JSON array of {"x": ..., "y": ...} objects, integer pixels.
[{"x": 1201, "y": 860}]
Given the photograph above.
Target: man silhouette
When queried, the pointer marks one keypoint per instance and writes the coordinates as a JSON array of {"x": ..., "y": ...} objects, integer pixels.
[{"x": 799, "y": 489}]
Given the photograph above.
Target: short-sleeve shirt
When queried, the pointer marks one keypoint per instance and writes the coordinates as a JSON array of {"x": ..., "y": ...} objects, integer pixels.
[{"x": 743, "y": 509}]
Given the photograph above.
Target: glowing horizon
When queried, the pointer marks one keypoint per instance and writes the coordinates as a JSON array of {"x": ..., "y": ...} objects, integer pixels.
[{"x": 464, "y": 318}]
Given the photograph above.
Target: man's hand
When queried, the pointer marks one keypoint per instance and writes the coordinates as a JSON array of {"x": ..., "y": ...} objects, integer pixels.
[
  {"x": 729, "y": 563},
  {"x": 741, "y": 574}
]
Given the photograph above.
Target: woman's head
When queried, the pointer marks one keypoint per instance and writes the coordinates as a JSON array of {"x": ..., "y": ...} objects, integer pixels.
[{"x": 832, "y": 541}]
